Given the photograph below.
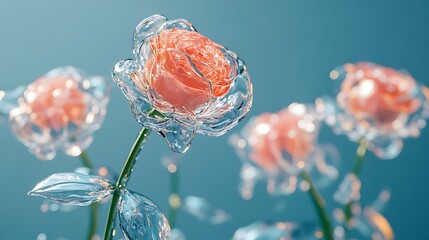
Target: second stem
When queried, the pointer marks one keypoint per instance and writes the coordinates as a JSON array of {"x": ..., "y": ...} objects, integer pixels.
[{"x": 320, "y": 205}]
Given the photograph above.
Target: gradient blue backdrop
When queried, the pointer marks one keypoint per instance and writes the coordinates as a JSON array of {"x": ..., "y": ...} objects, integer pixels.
[{"x": 289, "y": 47}]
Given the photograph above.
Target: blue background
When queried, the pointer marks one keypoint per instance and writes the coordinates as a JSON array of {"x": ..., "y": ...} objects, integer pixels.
[{"x": 289, "y": 46}]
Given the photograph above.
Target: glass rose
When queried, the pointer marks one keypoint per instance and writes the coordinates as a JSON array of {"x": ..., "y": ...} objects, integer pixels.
[
  {"x": 60, "y": 110},
  {"x": 181, "y": 83},
  {"x": 277, "y": 147},
  {"x": 377, "y": 103}
]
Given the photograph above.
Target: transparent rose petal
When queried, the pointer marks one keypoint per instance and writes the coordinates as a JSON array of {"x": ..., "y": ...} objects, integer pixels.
[
  {"x": 177, "y": 234},
  {"x": 9, "y": 101},
  {"x": 386, "y": 148},
  {"x": 349, "y": 190},
  {"x": 178, "y": 137},
  {"x": 326, "y": 162},
  {"x": 145, "y": 30},
  {"x": 227, "y": 111},
  {"x": 73, "y": 188},
  {"x": 276, "y": 231},
  {"x": 204, "y": 210},
  {"x": 140, "y": 218}
]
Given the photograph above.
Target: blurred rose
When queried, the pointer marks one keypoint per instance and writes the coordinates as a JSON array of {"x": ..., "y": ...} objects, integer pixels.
[
  {"x": 380, "y": 93},
  {"x": 286, "y": 132}
]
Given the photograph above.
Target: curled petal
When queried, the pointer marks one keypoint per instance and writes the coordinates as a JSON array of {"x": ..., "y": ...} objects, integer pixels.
[
  {"x": 73, "y": 188},
  {"x": 228, "y": 110},
  {"x": 204, "y": 211},
  {"x": 140, "y": 218},
  {"x": 276, "y": 231}
]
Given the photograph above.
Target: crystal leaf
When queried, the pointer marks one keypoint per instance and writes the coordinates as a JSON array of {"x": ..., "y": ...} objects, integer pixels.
[
  {"x": 176, "y": 234},
  {"x": 276, "y": 231},
  {"x": 204, "y": 211},
  {"x": 140, "y": 218},
  {"x": 349, "y": 190},
  {"x": 73, "y": 188}
]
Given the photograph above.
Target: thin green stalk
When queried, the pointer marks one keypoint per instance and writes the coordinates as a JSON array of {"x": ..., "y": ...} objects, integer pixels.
[
  {"x": 357, "y": 168},
  {"x": 320, "y": 205},
  {"x": 94, "y": 207},
  {"x": 86, "y": 160},
  {"x": 174, "y": 198},
  {"x": 123, "y": 180},
  {"x": 93, "y": 221}
]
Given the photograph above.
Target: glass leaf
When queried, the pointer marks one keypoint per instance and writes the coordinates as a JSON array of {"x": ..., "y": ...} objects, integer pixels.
[
  {"x": 349, "y": 190},
  {"x": 204, "y": 211},
  {"x": 177, "y": 234},
  {"x": 276, "y": 231},
  {"x": 140, "y": 218},
  {"x": 73, "y": 188}
]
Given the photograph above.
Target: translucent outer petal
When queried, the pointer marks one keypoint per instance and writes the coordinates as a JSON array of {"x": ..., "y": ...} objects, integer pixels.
[
  {"x": 73, "y": 188},
  {"x": 9, "y": 101},
  {"x": 140, "y": 218},
  {"x": 214, "y": 117},
  {"x": 56, "y": 125},
  {"x": 276, "y": 231},
  {"x": 387, "y": 106},
  {"x": 204, "y": 211}
]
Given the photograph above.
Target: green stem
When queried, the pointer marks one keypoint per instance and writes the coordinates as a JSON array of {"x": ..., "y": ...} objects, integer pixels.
[
  {"x": 174, "y": 198},
  {"x": 86, "y": 161},
  {"x": 93, "y": 221},
  {"x": 320, "y": 205},
  {"x": 94, "y": 207},
  {"x": 123, "y": 180},
  {"x": 357, "y": 168}
]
